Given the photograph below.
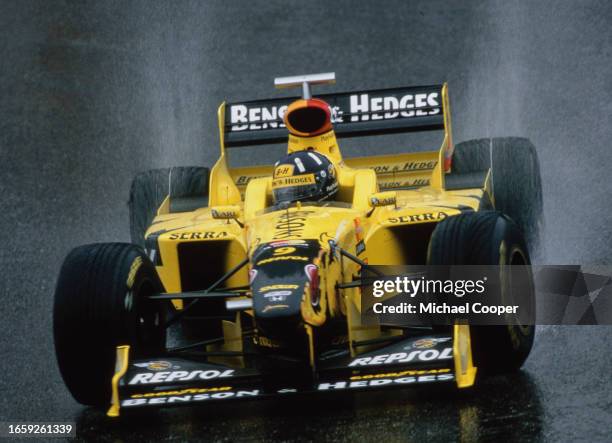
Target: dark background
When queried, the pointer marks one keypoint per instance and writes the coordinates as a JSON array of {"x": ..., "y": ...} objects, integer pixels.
[{"x": 92, "y": 92}]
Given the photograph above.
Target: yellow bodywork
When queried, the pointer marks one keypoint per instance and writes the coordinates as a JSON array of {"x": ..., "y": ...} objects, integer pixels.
[{"x": 422, "y": 200}]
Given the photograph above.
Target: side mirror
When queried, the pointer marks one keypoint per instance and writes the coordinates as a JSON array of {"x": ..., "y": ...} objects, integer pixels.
[
  {"x": 225, "y": 212},
  {"x": 383, "y": 199}
]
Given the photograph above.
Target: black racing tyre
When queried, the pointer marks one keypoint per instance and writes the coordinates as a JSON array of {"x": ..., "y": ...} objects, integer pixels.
[
  {"x": 476, "y": 238},
  {"x": 186, "y": 185},
  {"x": 101, "y": 301},
  {"x": 517, "y": 184}
]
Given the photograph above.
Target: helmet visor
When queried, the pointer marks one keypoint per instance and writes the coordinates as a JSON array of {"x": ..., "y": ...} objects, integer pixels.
[
  {"x": 295, "y": 193},
  {"x": 294, "y": 188}
]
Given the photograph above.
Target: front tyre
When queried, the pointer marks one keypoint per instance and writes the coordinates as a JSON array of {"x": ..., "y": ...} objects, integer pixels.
[
  {"x": 488, "y": 238},
  {"x": 101, "y": 301}
]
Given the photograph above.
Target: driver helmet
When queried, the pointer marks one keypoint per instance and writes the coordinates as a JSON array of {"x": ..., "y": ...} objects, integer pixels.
[{"x": 304, "y": 176}]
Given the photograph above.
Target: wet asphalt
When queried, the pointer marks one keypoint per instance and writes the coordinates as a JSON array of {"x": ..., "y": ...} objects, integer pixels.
[{"x": 92, "y": 92}]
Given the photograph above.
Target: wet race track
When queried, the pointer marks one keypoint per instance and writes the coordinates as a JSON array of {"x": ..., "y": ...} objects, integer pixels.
[{"x": 94, "y": 92}]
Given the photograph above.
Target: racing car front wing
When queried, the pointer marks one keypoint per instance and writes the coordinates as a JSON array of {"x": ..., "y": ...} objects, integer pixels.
[{"x": 433, "y": 358}]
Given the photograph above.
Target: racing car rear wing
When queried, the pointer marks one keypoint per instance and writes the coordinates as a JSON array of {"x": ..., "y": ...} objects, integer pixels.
[{"x": 360, "y": 113}]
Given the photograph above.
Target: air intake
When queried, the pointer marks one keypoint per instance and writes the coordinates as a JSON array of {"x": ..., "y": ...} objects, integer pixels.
[{"x": 307, "y": 118}]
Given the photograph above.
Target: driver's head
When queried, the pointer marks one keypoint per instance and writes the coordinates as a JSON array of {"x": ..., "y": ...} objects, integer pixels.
[{"x": 304, "y": 176}]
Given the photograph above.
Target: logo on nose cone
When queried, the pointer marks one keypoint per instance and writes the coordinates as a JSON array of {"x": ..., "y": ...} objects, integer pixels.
[{"x": 275, "y": 296}]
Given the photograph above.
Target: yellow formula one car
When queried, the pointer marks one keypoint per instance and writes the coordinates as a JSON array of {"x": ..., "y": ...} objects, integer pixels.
[{"x": 261, "y": 267}]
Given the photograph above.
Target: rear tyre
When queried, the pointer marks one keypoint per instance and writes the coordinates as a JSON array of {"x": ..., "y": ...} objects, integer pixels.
[
  {"x": 186, "y": 185},
  {"x": 517, "y": 185},
  {"x": 101, "y": 302},
  {"x": 487, "y": 238}
]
